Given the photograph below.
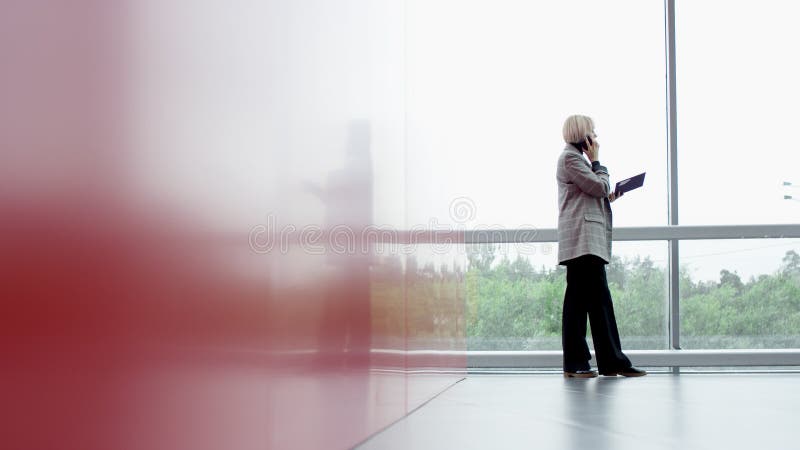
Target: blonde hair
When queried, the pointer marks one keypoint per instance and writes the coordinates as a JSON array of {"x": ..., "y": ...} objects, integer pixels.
[{"x": 576, "y": 128}]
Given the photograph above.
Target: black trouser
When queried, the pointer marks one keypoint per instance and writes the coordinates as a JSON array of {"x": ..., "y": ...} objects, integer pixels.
[{"x": 587, "y": 293}]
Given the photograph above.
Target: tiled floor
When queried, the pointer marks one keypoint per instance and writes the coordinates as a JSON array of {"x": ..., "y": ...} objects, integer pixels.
[{"x": 659, "y": 411}]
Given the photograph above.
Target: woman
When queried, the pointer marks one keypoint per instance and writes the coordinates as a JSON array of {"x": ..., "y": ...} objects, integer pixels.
[{"x": 584, "y": 246}]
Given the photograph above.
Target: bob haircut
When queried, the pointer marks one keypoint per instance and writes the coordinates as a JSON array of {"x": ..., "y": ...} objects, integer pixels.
[{"x": 576, "y": 128}]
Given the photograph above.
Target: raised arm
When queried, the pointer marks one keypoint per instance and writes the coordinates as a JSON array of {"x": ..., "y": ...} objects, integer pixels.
[{"x": 593, "y": 181}]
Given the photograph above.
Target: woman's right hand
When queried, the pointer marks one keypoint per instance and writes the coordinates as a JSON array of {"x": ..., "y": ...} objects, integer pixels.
[{"x": 592, "y": 149}]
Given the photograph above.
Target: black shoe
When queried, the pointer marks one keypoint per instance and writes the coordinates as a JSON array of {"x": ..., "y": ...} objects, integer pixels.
[
  {"x": 580, "y": 374},
  {"x": 629, "y": 372}
]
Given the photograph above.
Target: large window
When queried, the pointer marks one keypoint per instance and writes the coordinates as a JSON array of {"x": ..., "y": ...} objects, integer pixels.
[
  {"x": 737, "y": 96},
  {"x": 490, "y": 84},
  {"x": 740, "y": 294},
  {"x": 515, "y": 303}
]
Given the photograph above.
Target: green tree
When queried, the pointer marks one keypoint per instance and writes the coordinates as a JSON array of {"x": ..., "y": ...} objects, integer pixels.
[{"x": 513, "y": 306}]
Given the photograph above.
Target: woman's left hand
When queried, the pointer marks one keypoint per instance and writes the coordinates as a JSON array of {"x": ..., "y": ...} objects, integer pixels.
[{"x": 613, "y": 196}]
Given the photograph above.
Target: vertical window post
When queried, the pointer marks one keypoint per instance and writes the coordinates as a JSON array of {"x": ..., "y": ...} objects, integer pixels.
[{"x": 672, "y": 171}]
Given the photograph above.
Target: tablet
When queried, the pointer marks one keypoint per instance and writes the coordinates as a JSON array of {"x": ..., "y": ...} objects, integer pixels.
[{"x": 630, "y": 184}]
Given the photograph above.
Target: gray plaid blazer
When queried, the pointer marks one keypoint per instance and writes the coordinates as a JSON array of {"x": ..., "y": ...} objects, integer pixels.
[{"x": 584, "y": 212}]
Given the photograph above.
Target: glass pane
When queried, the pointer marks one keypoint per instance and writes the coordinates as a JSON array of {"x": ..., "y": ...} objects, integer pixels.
[
  {"x": 490, "y": 84},
  {"x": 737, "y": 111},
  {"x": 740, "y": 294},
  {"x": 515, "y": 294}
]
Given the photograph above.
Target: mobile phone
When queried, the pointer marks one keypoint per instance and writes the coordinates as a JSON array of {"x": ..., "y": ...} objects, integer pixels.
[{"x": 582, "y": 143}]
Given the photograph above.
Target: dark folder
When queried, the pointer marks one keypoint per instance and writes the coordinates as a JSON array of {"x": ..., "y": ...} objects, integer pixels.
[{"x": 630, "y": 184}]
